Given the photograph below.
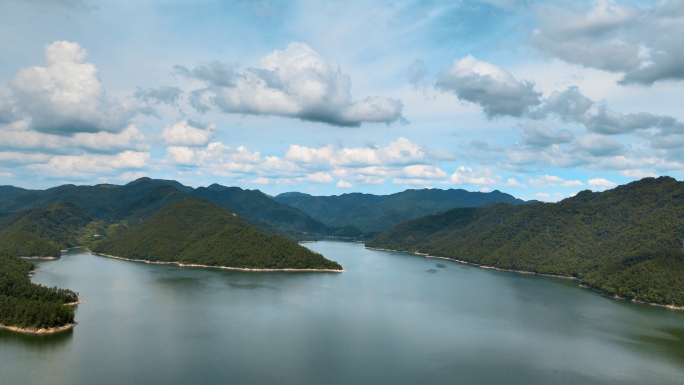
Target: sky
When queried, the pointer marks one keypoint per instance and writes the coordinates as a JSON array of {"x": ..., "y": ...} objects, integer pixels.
[{"x": 534, "y": 98}]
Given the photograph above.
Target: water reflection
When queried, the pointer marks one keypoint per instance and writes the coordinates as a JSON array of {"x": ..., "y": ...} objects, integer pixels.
[{"x": 37, "y": 342}]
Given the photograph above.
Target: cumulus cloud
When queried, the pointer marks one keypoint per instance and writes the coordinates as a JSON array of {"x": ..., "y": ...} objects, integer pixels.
[
  {"x": 19, "y": 136},
  {"x": 296, "y": 82},
  {"x": 601, "y": 183},
  {"x": 87, "y": 165},
  {"x": 6, "y": 113},
  {"x": 553, "y": 181},
  {"x": 187, "y": 133},
  {"x": 421, "y": 171},
  {"x": 66, "y": 97},
  {"x": 402, "y": 151},
  {"x": 466, "y": 176},
  {"x": 647, "y": 45},
  {"x": 493, "y": 88},
  {"x": 536, "y": 134},
  {"x": 512, "y": 182},
  {"x": 401, "y": 160},
  {"x": 343, "y": 184},
  {"x": 599, "y": 145}
]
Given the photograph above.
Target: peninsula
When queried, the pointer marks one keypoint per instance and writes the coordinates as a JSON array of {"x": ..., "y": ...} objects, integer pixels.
[{"x": 196, "y": 232}]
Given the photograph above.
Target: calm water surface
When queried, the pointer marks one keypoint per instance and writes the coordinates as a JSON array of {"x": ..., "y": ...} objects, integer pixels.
[{"x": 391, "y": 318}]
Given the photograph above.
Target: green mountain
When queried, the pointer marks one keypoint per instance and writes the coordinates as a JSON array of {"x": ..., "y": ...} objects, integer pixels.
[
  {"x": 98, "y": 201},
  {"x": 626, "y": 241},
  {"x": 7, "y": 192},
  {"x": 195, "y": 231},
  {"x": 147, "y": 205},
  {"x": 374, "y": 213},
  {"x": 255, "y": 205},
  {"x": 139, "y": 199},
  {"x": 24, "y": 304},
  {"x": 42, "y": 232}
]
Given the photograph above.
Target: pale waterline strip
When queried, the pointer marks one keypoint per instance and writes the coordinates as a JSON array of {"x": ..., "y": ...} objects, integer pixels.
[
  {"x": 34, "y": 330},
  {"x": 215, "y": 267},
  {"x": 531, "y": 272}
]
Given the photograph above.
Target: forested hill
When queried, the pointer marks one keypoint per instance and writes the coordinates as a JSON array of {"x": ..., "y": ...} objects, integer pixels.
[
  {"x": 42, "y": 232},
  {"x": 139, "y": 199},
  {"x": 196, "y": 231},
  {"x": 374, "y": 213},
  {"x": 258, "y": 206},
  {"x": 24, "y": 304},
  {"x": 626, "y": 241}
]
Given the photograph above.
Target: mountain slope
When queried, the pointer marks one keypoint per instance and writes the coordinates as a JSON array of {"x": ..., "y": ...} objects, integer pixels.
[
  {"x": 195, "y": 231},
  {"x": 42, "y": 232},
  {"x": 366, "y": 211},
  {"x": 98, "y": 201},
  {"x": 258, "y": 206},
  {"x": 626, "y": 241}
]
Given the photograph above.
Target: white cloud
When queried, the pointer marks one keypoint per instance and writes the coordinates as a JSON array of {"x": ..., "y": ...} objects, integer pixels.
[
  {"x": 512, "y": 182},
  {"x": 466, "y": 176},
  {"x": 343, "y": 184},
  {"x": 601, "y": 183},
  {"x": 89, "y": 165},
  {"x": 493, "y": 88},
  {"x": 187, "y": 133},
  {"x": 638, "y": 174},
  {"x": 66, "y": 97},
  {"x": 18, "y": 136},
  {"x": 552, "y": 180},
  {"x": 644, "y": 44},
  {"x": 261, "y": 180},
  {"x": 402, "y": 151},
  {"x": 421, "y": 171},
  {"x": 318, "y": 177},
  {"x": 296, "y": 82}
]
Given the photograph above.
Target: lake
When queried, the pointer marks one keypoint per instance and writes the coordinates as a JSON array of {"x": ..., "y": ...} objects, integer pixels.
[{"x": 390, "y": 318}]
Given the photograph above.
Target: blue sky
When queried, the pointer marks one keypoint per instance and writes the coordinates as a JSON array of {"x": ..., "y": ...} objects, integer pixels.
[{"x": 537, "y": 99}]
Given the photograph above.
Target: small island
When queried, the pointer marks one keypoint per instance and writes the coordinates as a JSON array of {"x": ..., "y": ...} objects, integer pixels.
[{"x": 196, "y": 232}]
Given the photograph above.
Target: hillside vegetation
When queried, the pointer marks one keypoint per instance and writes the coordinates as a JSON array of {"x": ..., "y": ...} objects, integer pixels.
[
  {"x": 24, "y": 304},
  {"x": 195, "y": 231},
  {"x": 375, "y": 213},
  {"x": 42, "y": 232},
  {"x": 626, "y": 241}
]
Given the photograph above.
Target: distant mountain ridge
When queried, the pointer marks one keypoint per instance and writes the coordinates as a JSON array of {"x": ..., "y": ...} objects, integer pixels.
[
  {"x": 375, "y": 213},
  {"x": 294, "y": 215}
]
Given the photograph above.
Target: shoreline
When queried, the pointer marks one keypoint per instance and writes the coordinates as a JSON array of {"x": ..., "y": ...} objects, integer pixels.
[
  {"x": 179, "y": 264},
  {"x": 671, "y": 307},
  {"x": 34, "y": 330},
  {"x": 37, "y": 258}
]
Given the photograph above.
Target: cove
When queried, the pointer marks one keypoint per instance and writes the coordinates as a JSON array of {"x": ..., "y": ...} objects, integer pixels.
[{"x": 390, "y": 318}]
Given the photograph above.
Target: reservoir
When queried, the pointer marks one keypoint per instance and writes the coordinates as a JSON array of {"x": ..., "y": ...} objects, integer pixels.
[{"x": 390, "y": 318}]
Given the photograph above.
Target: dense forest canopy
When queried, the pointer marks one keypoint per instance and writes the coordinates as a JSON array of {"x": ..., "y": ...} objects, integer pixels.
[
  {"x": 626, "y": 241},
  {"x": 42, "y": 232},
  {"x": 196, "y": 231},
  {"x": 24, "y": 304},
  {"x": 375, "y": 213}
]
